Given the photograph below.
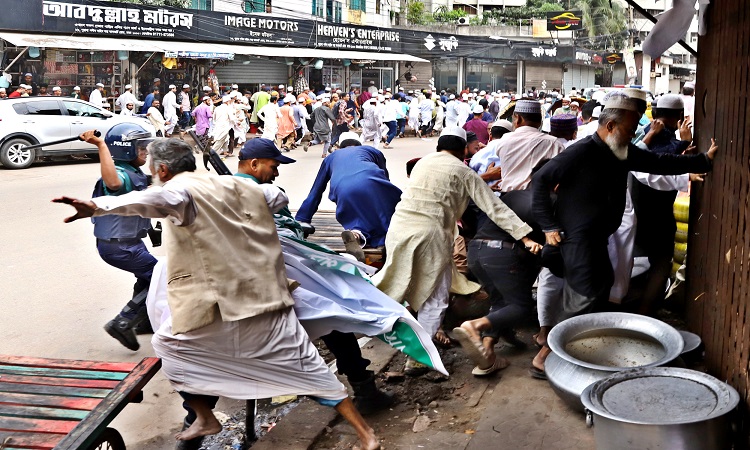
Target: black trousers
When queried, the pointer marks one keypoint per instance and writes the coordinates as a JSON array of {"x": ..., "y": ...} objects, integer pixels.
[{"x": 507, "y": 275}]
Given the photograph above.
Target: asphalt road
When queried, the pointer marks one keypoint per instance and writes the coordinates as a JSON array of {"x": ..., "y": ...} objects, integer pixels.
[{"x": 57, "y": 293}]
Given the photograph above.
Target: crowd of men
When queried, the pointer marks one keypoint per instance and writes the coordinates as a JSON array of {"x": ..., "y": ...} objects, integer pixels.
[{"x": 501, "y": 205}]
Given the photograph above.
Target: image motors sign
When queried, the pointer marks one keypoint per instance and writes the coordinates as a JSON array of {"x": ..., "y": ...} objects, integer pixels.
[{"x": 564, "y": 21}]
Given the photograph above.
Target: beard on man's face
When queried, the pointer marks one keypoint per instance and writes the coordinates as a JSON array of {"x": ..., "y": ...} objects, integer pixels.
[{"x": 618, "y": 145}]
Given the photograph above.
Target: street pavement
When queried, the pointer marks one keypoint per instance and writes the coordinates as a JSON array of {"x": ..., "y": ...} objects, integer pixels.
[{"x": 57, "y": 293}]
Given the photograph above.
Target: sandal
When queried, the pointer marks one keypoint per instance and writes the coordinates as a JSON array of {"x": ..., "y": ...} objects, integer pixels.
[
  {"x": 474, "y": 350},
  {"x": 537, "y": 373},
  {"x": 499, "y": 364}
]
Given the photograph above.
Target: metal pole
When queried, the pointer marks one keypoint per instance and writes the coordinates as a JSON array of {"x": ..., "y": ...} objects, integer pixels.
[{"x": 14, "y": 61}]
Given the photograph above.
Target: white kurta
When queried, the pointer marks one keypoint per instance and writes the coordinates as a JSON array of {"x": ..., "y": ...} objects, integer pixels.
[
  {"x": 419, "y": 242},
  {"x": 223, "y": 122},
  {"x": 270, "y": 115},
  {"x": 170, "y": 111},
  {"x": 95, "y": 98},
  {"x": 258, "y": 357},
  {"x": 157, "y": 120},
  {"x": 520, "y": 151}
]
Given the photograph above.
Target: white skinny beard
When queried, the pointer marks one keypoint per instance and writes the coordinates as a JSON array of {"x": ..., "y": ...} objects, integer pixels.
[
  {"x": 620, "y": 151},
  {"x": 155, "y": 180}
]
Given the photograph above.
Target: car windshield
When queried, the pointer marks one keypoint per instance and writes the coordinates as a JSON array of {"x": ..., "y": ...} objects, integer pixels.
[{"x": 81, "y": 109}]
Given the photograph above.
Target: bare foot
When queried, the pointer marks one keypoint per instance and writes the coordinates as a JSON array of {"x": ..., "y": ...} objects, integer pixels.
[
  {"x": 369, "y": 442},
  {"x": 199, "y": 428},
  {"x": 442, "y": 339}
]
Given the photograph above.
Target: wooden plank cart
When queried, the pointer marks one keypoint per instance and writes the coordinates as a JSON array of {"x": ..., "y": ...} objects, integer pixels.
[{"x": 67, "y": 404}]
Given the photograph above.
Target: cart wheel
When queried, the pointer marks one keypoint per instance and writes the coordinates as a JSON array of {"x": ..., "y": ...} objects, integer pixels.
[{"x": 110, "y": 439}]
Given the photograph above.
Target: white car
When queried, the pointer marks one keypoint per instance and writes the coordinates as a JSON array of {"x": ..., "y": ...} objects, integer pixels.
[{"x": 26, "y": 121}]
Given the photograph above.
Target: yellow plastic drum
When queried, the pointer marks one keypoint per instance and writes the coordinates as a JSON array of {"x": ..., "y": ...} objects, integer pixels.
[
  {"x": 682, "y": 209},
  {"x": 681, "y": 235},
  {"x": 680, "y": 250}
]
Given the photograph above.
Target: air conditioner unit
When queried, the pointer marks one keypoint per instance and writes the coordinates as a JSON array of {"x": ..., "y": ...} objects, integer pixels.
[{"x": 462, "y": 21}]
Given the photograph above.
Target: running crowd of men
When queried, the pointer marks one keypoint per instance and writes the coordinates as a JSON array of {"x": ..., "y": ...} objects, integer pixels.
[{"x": 500, "y": 205}]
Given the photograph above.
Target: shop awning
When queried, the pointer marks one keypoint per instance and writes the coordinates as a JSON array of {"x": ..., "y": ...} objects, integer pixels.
[{"x": 142, "y": 45}]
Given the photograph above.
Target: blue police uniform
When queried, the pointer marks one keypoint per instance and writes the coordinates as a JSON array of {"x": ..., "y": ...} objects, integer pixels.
[{"x": 119, "y": 239}]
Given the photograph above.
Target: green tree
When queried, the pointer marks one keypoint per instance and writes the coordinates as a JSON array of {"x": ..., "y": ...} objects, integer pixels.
[
  {"x": 605, "y": 24},
  {"x": 534, "y": 9},
  {"x": 415, "y": 12}
]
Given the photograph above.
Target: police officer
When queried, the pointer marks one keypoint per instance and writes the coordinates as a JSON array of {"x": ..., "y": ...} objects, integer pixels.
[{"x": 119, "y": 239}]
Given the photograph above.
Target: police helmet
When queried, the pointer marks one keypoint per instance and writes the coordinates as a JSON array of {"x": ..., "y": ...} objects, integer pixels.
[{"x": 124, "y": 140}]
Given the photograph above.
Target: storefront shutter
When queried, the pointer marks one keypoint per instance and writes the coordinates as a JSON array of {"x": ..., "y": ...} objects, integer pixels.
[
  {"x": 552, "y": 73},
  {"x": 256, "y": 72},
  {"x": 423, "y": 72}
]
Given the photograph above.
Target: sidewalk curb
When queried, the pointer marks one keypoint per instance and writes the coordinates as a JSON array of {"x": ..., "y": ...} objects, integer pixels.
[{"x": 301, "y": 428}]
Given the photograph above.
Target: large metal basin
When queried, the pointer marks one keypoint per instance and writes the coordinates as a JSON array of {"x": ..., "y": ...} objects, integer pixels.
[
  {"x": 592, "y": 347},
  {"x": 660, "y": 408}
]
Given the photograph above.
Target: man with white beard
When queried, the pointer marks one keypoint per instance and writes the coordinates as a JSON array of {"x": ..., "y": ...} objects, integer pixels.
[
  {"x": 590, "y": 180},
  {"x": 169, "y": 102}
]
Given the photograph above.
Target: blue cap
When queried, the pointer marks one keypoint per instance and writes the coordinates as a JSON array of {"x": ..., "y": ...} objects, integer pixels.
[{"x": 260, "y": 148}]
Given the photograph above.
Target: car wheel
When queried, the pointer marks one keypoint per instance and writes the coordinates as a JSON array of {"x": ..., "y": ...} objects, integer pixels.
[{"x": 14, "y": 155}]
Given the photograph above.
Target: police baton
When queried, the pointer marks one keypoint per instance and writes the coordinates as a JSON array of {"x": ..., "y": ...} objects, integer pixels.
[{"x": 61, "y": 141}]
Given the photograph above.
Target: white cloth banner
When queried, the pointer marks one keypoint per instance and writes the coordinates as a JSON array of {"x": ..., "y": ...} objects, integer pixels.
[{"x": 672, "y": 26}]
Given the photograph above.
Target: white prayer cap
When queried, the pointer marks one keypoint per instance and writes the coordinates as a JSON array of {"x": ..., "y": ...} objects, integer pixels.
[
  {"x": 373, "y": 99},
  {"x": 99, "y": 85},
  {"x": 291, "y": 89},
  {"x": 476, "y": 90},
  {"x": 454, "y": 131},
  {"x": 225, "y": 98},
  {"x": 300, "y": 99},
  {"x": 472, "y": 95},
  {"x": 690, "y": 84},
  {"x": 482, "y": 93},
  {"x": 338, "y": 91},
  {"x": 400, "y": 88},
  {"x": 388, "y": 89},
  {"x": 105, "y": 104},
  {"x": 172, "y": 86},
  {"x": 328, "y": 89},
  {"x": 2, "y": 89},
  {"x": 575, "y": 103},
  {"x": 617, "y": 102},
  {"x": 477, "y": 109},
  {"x": 290, "y": 99},
  {"x": 186, "y": 86},
  {"x": 638, "y": 94},
  {"x": 528, "y": 107},
  {"x": 411, "y": 91},
  {"x": 281, "y": 86},
  {"x": 128, "y": 86},
  {"x": 349, "y": 135},
  {"x": 596, "y": 112},
  {"x": 76, "y": 88},
  {"x": 598, "y": 96},
  {"x": 205, "y": 97},
  {"x": 670, "y": 101},
  {"x": 566, "y": 99},
  {"x": 504, "y": 124},
  {"x": 464, "y": 96},
  {"x": 28, "y": 75},
  {"x": 56, "y": 88},
  {"x": 206, "y": 88},
  {"x": 380, "y": 98},
  {"x": 234, "y": 86},
  {"x": 451, "y": 97},
  {"x": 380, "y": 91}
]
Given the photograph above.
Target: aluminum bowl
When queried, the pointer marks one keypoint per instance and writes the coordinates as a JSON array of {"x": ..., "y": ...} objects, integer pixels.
[{"x": 592, "y": 347}]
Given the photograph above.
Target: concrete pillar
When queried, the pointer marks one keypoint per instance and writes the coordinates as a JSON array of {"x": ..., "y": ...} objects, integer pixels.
[
  {"x": 461, "y": 76},
  {"x": 520, "y": 78}
]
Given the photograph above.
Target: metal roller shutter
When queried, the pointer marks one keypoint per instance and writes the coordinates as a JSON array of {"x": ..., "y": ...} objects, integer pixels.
[
  {"x": 423, "y": 72},
  {"x": 256, "y": 72},
  {"x": 535, "y": 73}
]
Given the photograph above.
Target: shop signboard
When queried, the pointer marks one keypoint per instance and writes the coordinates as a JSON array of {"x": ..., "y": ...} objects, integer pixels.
[
  {"x": 564, "y": 21},
  {"x": 199, "y": 55}
]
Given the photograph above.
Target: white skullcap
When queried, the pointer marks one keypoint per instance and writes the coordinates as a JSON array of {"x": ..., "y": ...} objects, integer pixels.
[
  {"x": 670, "y": 101},
  {"x": 477, "y": 109},
  {"x": 451, "y": 97},
  {"x": 638, "y": 94},
  {"x": 690, "y": 84},
  {"x": 105, "y": 104},
  {"x": 281, "y": 86},
  {"x": 225, "y": 98},
  {"x": 128, "y": 86},
  {"x": 290, "y": 89},
  {"x": 596, "y": 112},
  {"x": 205, "y": 97},
  {"x": 454, "y": 131},
  {"x": 76, "y": 88},
  {"x": 99, "y": 85},
  {"x": 598, "y": 96},
  {"x": 56, "y": 88},
  {"x": 234, "y": 86},
  {"x": 482, "y": 93},
  {"x": 575, "y": 103},
  {"x": 380, "y": 98},
  {"x": 300, "y": 99},
  {"x": 2, "y": 89},
  {"x": 172, "y": 86},
  {"x": 528, "y": 107},
  {"x": 388, "y": 89},
  {"x": 504, "y": 124},
  {"x": 349, "y": 135},
  {"x": 185, "y": 86},
  {"x": 566, "y": 99},
  {"x": 206, "y": 88},
  {"x": 289, "y": 98},
  {"x": 626, "y": 103},
  {"x": 380, "y": 91},
  {"x": 464, "y": 96}
]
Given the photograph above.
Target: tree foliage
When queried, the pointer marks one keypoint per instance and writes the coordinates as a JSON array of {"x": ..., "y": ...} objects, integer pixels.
[
  {"x": 605, "y": 24},
  {"x": 534, "y": 9},
  {"x": 415, "y": 12}
]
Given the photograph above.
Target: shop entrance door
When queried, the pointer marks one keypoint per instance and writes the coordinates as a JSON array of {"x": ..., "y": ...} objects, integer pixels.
[{"x": 381, "y": 76}]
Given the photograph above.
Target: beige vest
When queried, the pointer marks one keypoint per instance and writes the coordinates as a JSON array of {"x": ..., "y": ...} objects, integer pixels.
[{"x": 228, "y": 261}]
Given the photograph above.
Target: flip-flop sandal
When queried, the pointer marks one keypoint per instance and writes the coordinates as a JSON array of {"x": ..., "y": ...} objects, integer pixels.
[
  {"x": 537, "y": 373},
  {"x": 475, "y": 351},
  {"x": 536, "y": 343},
  {"x": 440, "y": 344},
  {"x": 499, "y": 364}
]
